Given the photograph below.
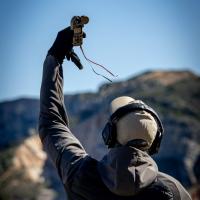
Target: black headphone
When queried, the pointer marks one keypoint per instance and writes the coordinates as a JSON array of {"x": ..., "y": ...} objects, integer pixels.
[{"x": 109, "y": 132}]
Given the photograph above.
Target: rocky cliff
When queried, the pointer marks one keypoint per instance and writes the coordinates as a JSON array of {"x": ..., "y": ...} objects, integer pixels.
[
  {"x": 173, "y": 94},
  {"x": 21, "y": 172}
]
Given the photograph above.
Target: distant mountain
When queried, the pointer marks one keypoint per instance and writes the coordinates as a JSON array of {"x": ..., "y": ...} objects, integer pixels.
[
  {"x": 18, "y": 120},
  {"x": 173, "y": 94}
]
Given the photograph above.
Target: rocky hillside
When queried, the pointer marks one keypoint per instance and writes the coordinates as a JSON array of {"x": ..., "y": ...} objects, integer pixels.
[
  {"x": 21, "y": 172},
  {"x": 173, "y": 94}
]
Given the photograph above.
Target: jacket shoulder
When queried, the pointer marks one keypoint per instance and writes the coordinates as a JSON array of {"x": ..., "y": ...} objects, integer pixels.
[
  {"x": 179, "y": 192},
  {"x": 87, "y": 183}
]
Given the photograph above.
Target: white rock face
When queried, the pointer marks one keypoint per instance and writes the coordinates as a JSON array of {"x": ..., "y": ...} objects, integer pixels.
[{"x": 30, "y": 157}]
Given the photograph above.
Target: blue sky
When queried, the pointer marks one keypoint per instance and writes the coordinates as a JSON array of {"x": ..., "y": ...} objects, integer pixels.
[{"x": 127, "y": 36}]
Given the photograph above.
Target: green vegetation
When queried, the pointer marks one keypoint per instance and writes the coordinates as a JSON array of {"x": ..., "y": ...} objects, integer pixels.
[{"x": 6, "y": 157}]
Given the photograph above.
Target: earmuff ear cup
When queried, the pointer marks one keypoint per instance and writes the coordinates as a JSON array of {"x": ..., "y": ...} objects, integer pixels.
[
  {"x": 106, "y": 133},
  {"x": 156, "y": 143},
  {"x": 109, "y": 134}
]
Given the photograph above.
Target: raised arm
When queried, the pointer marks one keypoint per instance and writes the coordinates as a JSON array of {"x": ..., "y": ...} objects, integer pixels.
[{"x": 61, "y": 145}]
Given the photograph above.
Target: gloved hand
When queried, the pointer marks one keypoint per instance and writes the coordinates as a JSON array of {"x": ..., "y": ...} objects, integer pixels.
[{"x": 62, "y": 46}]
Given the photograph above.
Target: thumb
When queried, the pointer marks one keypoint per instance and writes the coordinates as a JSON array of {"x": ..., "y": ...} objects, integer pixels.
[{"x": 84, "y": 35}]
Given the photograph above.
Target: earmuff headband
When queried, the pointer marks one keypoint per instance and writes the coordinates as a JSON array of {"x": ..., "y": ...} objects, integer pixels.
[
  {"x": 109, "y": 132},
  {"x": 133, "y": 107}
]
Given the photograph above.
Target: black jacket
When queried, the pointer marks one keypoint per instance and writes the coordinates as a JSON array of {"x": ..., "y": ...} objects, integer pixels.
[{"x": 124, "y": 173}]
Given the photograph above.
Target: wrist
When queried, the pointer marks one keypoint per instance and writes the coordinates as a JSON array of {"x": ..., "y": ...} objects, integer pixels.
[{"x": 59, "y": 57}]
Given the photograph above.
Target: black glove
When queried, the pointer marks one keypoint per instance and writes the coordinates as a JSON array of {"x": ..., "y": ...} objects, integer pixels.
[{"x": 62, "y": 46}]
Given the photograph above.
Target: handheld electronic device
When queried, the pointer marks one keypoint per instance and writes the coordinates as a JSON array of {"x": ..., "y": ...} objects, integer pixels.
[{"x": 77, "y": 24}]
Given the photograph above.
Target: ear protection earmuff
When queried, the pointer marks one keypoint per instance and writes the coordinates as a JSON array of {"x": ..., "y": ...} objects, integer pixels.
[{"x": 109, "y": 132}]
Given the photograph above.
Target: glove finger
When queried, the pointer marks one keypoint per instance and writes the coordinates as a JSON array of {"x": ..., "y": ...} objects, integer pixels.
[
  {"x": 76, "y": 60},
  {"x": 68, "y": 55},
  {"x": 66, "y": 30}
]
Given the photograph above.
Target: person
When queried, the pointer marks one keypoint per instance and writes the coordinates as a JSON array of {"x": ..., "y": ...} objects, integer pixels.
[{"x": 133, "y": 133}]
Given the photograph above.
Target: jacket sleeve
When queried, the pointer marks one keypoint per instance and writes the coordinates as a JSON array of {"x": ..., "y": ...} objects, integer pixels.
[{"x": 61, "y": 145}]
